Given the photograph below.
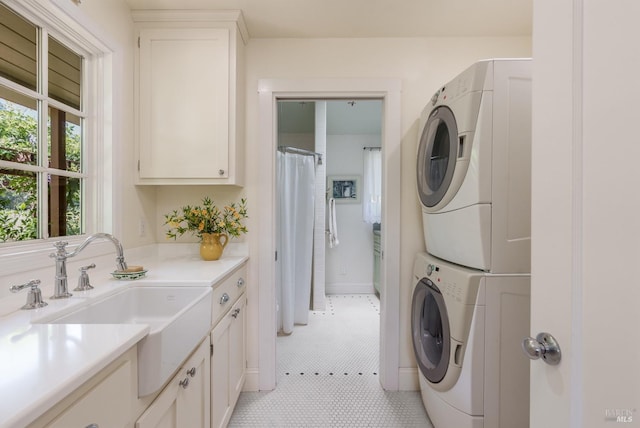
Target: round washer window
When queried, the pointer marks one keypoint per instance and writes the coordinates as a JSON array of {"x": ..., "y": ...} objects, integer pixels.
[{"x": 430, "y": 331}]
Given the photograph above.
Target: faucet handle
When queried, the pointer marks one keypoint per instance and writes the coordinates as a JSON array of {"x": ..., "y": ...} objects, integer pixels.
[
  {"x": 34, "y": 297},
  {"x": 61, "y": 249},
  {"x": 83, "y": 281},
  {"x": 60, "y": 245},
  {"x": 34, "y": 283}
]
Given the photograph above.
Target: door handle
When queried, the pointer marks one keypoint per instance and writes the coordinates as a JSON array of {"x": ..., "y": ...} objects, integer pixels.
[{"x": 545, "y": 346}]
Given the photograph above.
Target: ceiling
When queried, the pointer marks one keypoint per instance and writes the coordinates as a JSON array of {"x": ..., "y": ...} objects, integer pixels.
[{"x": 369, "y": 18}]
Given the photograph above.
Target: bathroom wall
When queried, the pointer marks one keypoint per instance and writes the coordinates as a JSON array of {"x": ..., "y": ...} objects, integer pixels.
[{"x": 349, "y": 266}]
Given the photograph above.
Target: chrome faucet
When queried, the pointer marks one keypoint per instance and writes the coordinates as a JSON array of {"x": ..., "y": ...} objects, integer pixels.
[{"x": 61, "y": 256}]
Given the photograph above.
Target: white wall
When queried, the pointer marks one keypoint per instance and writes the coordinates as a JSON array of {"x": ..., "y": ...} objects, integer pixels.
[
  {"x": 131, "y": 204},
  {"x": 301, "y": 141},
  {"x": 170, "y": 198},
  {"x": 349, "y": 266},
  {"x": 111, "y": 24},
  {"x": 422, "y": 65}
]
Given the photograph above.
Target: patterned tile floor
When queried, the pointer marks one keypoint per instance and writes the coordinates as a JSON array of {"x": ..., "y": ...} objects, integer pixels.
[{"x": 327, "y": 375}]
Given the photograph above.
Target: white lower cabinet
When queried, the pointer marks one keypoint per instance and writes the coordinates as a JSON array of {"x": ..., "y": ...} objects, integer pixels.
[
  {"x": 185, "y": 400},
  {"x": 228, "y": 363},
  {"x": 108, "y": 404},
  {"x": 202, "y": 394},
  {"x": 103, "y": 401}
]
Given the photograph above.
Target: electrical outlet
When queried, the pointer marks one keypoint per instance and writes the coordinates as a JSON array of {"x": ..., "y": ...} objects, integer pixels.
[{"x": 141, "y": 228}]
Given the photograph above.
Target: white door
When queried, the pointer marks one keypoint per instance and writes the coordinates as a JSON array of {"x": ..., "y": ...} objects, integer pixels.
[{"x": 586, "y": 212}]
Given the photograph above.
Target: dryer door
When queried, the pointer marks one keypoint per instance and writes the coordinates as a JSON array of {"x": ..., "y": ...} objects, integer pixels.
[
  {"x": 430, "y": 331},
  {"x": 437, "y": 155}
]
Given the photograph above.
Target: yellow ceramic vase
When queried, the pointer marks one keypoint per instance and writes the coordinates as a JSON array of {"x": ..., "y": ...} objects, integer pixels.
[{"x": 212, "y": 245}]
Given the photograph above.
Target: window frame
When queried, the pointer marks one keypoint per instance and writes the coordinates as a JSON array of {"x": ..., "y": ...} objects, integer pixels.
[{"x": 63, "y": 21}]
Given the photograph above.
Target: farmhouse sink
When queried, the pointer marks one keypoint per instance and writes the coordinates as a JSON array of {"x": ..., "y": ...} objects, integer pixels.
[{"x": 178, "y": 316}]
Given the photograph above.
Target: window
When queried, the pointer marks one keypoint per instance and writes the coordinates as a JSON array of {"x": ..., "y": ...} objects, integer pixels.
[{"x": 42, "y": 119}]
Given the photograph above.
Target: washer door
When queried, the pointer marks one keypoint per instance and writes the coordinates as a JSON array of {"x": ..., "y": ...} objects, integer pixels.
[
  {"x": 430, "y": 331},
  {"x": 437, "y": 155}
]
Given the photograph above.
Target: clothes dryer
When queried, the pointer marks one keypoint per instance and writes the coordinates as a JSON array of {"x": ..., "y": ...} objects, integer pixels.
[
  {"x": 467, "y": 327},
  {"x": 474, "y": 167}
]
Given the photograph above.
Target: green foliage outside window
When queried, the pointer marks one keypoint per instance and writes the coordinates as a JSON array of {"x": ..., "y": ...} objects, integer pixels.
[{"x": 18, "y": 188}]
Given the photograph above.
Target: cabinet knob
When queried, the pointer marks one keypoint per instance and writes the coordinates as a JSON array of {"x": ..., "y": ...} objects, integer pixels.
[
  {"x": 240, "y": 282},
  {"x": 191, "y": 372},
  {"x": 235, "y": 313},
  {"x": 184, "y": 383},
  {"x": 224, "y": 299},
  {"x": 221, "y": 172}
]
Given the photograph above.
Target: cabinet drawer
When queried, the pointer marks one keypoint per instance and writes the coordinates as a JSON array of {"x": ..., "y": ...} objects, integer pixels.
[{"x": 227, "y": 292}]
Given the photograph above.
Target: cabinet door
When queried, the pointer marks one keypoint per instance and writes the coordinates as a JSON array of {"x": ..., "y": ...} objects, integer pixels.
[
  {"x": 220, "y": 406},
  {"x": 237, "y": 352},
  {"x": 185, "y": 400},
  {"x": 106, "y": 405},
  {"x": 163, "y": 413},
  {"x": 183, "y": 103},
  {"x": 194, "y": 400}
]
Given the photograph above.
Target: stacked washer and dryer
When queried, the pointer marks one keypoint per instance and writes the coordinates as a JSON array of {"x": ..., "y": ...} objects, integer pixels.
[{"x": 470, "y": 307}]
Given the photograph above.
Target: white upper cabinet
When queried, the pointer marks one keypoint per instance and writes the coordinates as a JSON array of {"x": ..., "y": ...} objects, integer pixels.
[{"x": 189, "y": 97}]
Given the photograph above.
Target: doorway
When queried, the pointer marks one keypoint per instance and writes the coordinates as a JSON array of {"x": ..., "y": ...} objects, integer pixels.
[
  {"x": 342, "y": 140},
  {"x": 387, "y": 90}
]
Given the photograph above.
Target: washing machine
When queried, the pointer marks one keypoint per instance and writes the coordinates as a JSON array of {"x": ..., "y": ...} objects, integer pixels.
[
  {"x": 474, "y": 167},
  {"x": 467, "y": 327}
]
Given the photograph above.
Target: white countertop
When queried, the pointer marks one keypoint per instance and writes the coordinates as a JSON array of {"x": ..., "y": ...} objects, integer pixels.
[{"x": 40, "y": 364}]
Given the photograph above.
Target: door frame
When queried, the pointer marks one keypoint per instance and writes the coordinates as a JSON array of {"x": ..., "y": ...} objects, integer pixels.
[{"x": 388, "y": 90}]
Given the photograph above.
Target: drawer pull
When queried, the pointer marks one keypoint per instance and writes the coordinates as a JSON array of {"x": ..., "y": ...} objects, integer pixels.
[
  {"x": 191, "y": 372},
  {"x": 240, "y": 282},
  {"x": 235, "y": 313},
  {"x": 184, "y": 383},
  {"x": 224, "y": 299},
  {"x": 92, "y": 426}
]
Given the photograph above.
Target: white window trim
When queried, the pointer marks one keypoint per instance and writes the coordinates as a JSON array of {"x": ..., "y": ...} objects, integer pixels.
[{"x": 64, "y": 21}]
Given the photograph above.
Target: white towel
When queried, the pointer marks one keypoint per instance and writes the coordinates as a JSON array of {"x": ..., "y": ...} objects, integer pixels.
[{"x": 333, "y": 225}]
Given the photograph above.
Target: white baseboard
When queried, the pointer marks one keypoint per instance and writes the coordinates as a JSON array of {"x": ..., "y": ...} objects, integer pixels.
[
  {"x": 349, "y": 288},
  {"x": 252, "y": 381},
  {"x": 408, "y": 379}
]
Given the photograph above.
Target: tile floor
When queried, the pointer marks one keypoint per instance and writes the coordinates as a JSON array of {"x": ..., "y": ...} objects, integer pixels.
[{"x": 327, "y": 375}]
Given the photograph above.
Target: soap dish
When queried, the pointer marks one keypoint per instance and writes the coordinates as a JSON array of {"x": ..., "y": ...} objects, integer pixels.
[{"x": 128, "y": 275}]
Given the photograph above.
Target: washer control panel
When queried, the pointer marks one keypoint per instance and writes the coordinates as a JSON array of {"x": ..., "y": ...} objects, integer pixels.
[
  {"x": 457, "y": 284},
  {"x": 452, "y": 290},
  {"x": 447, "y": 287}
]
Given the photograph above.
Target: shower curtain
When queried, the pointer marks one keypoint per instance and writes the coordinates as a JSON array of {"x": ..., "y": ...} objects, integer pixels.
[{"x": 296, "y": 184}]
